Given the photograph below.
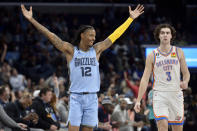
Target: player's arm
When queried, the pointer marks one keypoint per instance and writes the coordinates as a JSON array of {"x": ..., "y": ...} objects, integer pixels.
[
  {"x": 184, "y": 69},
  {"x": 101, "y": 46},
  {"x": 63, "y": 46},
  {"x": 145, "y": 79}
]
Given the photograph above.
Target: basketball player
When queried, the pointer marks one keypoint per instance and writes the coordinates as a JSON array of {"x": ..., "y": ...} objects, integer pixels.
[
  {"x": 165, "y": 63},
  {"x": 83, "y": 63}
]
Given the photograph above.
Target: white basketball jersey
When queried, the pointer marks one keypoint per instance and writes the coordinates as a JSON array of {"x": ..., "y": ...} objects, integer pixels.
[{"x": 166, "y": 70}]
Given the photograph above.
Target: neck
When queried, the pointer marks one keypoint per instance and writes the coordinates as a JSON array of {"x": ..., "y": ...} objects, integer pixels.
[
  {"x": 165, "y": 48},
  {"x": 83, "y": 47}
]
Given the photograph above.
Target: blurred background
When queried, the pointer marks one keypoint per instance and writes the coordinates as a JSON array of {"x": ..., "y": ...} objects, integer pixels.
[{"x": 29, "y": 62}]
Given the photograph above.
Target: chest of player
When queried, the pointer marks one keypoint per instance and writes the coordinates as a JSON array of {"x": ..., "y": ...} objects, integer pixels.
[{"x": 166, "y": 63}]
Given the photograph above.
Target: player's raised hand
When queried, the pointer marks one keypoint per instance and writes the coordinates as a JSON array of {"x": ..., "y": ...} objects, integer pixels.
[
  {"x": 137, "y": 107},
  {"x": 137, "y": 12},
  {"x": 26, "y": 13}
]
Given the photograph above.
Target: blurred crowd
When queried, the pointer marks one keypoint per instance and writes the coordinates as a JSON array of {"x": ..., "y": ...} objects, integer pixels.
[
  {"x": 33, "y": 72},
  {"x": 100, "y": 1}
]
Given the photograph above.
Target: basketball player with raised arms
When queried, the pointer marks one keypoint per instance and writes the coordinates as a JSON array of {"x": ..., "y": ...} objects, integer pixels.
[
  {"x": 166, "y": 63},
  {"x": 82, "y": 58}
]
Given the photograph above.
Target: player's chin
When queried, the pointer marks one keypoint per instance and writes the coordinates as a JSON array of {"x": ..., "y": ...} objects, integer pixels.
[{"x": 91, "y": 44}]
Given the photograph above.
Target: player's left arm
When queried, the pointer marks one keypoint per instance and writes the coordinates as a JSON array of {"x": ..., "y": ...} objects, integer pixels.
[
  {"x": 103, "y": 45},
  {"x": 184, "y": 69}
]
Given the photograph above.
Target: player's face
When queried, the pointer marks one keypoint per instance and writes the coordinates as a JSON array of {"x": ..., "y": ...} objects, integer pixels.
[
  {"x": 89, "y": 36},
  {"x": 165, "y": 35}
]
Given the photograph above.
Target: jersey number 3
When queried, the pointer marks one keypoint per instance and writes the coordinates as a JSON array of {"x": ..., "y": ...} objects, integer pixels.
[
  {"x": 168, "y": 76},
  {"x": 86, "y": 71}
]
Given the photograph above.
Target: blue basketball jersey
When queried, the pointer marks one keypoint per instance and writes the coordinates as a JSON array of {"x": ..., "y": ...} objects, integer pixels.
[{"x": 84, "y": 71}]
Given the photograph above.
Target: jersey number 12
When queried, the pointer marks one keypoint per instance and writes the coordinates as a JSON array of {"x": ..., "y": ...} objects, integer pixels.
[{"x": 86, "y": 71}]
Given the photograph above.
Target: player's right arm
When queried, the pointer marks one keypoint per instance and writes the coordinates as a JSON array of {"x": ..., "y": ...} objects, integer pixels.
[
  {"x": 63, "y": 46},
  {"x": 103, "y": 45},
  {"x": 144, "y": 81}
]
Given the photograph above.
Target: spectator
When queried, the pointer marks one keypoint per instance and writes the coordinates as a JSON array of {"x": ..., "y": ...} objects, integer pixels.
[
  {"x": 5, "y": 73},
  {"x": 133, "y": 87},
  {"x": 7, "y": 123},
  {"x": 45, "y": 111},
  {"x": 19, "y": 112},
  {"x": 120, "y": 115},
  {"x": 122, "y": 118},
  {"x": 4, "y": 95},
  {"x": 62, "y": 107},
  {"x": 150, "y": 112},
  {"x": 104, "y": 112},
  {"x": 17, "y": 81}
]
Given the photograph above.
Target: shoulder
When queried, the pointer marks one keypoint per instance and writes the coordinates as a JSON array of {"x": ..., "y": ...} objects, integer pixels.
[
  {"x": 20, "y": 75},
  {"x": 10, "y": 106},
  {"x": 178, "y": 49},
  {"x": 151, "y": 54},
  {"x": 60, "y": 104},
  {"x": 68, "y": 45},
  {"x": 180, "y": 52},
  {"x": 100, "y": 110},
  {"x": 116, "y": 113},
  {"x": 150, "y": 57},
  {"x": 95, "y": 46},
  {"x": 37, "y": 102}
]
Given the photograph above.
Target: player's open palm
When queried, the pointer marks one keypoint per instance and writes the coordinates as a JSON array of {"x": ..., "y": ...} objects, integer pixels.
[
  {"x": 137, "y": 12},
  {"x": 26, "y": 13}
]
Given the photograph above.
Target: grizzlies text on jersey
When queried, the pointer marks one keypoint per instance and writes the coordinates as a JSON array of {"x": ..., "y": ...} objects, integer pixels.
[{"x": 84, "y": 71}]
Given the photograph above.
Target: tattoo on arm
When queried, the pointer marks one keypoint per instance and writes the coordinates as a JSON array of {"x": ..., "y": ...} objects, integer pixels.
[
  {"x": 56, "y": 41},
  {"x": 101, "y": 46},
  {"x": 107, "y": 43}
]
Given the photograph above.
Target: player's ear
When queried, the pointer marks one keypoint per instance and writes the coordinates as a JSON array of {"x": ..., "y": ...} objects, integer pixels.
[{"x": 82, "y": 35}]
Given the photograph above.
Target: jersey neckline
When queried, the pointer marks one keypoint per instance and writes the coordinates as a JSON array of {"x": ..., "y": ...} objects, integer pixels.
[{"x": 164, "y": 53}]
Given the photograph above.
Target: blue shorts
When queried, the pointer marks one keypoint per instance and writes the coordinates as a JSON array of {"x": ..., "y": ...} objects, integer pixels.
[{"x": 83, "y": 110}]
